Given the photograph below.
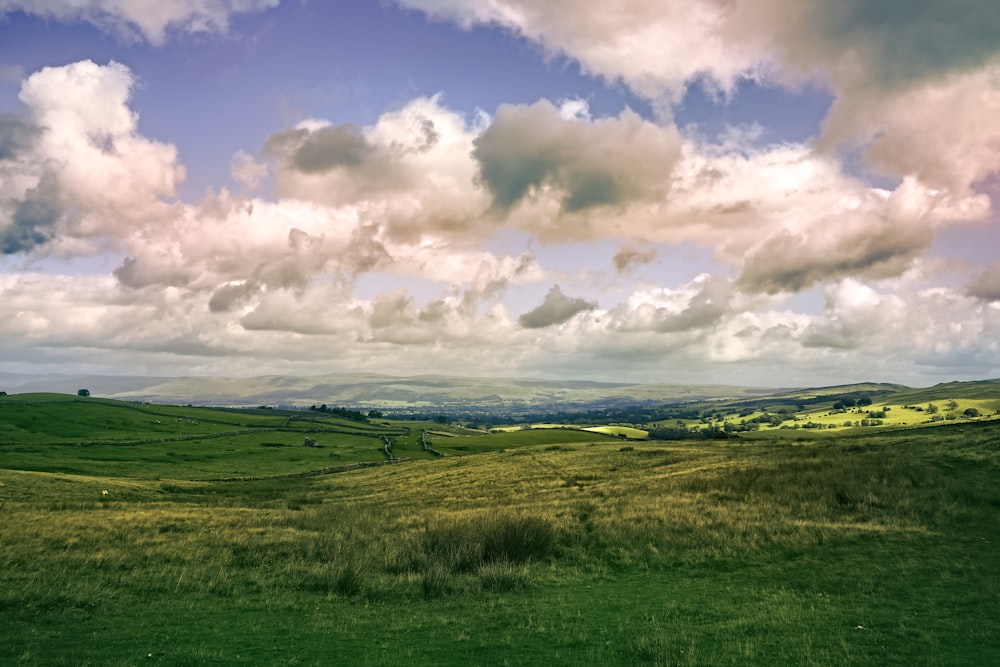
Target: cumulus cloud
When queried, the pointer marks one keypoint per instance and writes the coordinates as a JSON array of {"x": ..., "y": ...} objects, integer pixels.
[
  {"x": 247, "y": 171},
  {"x": 79, "y": 166},
  {"x": 608, "y": 162},
  {"x": 556, "y": 308},
  {"x": 946, "y": 132},
  {"x": 915, "y": 85},
  {"x": 410, "y": 171},
  {"x": 700, "y": 304},
  {"x": 878, "y": 235},
  {"x": 655, "y": 47},
  {"x": 148, "y": 20},
  {"x": 854, "y": 313},
  {"x": 659, "y": 47}
]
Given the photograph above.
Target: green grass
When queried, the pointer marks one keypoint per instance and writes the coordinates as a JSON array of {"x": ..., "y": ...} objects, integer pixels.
[
  {"x": 522, "y": 438},
  {"x": 877, "y": 548}
]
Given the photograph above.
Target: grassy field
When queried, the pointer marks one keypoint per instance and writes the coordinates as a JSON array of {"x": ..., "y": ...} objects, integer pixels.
[{"x": 878, "y": 548}]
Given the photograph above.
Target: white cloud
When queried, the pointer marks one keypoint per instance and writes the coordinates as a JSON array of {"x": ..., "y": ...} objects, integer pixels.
[
  {"x": 655, "y": 47},
  {"x": 410, "y": 171},
  {"x": 87, "y": 172},
  {"x": 150, "y": 19}
]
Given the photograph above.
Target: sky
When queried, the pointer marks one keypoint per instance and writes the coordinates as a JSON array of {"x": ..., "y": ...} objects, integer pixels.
[{"x": 773, "y": 193}]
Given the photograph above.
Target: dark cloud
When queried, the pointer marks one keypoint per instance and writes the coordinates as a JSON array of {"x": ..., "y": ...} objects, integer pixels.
[
  {"x": 33, "y": 220},
  {"x": 15, "y": 136},
  {"x": 319, "y": 151},
  {"x": 555, "y": 309},
  {"x": 229, "y": 296},
  {"x": 909, "y": 40},
  {"x": 330, "y": 147},
  {"x": 987, "y": 285},
  {"x": 628, "y": 257},
  {"x": 343, "y": 146},
  {"x": 608, "y": 162},
  {"x": 139, "y": 272},
  {"x": 790, "y": 262}
]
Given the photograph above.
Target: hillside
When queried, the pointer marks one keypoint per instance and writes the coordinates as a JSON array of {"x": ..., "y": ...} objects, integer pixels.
[{"x": 871, "y": 548}]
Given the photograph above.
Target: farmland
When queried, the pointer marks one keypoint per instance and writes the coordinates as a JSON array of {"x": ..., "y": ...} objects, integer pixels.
[{"x": 172, "y": 535}]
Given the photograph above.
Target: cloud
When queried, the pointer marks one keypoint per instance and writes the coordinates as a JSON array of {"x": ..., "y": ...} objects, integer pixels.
[
  {"x": 945, "y": 133},
  {"x": 230, "y": 295},
  {"x": 322, "y": 149},
  {"x": 876, "y": 235},
  {"x": 411, "y": 171},
  {"x": 454, "y": 318},
  {"x": 33, "y": 219},
  {"x": 629, "y": 257},
  {"x": 150, "y": 20},
  {"x": 78, "y": 168},
  {"x": 609, "y": 162},
  {"x": 659, "y": 47},
  {"x": 16, "y": 136},
  {"x": 890, "y": 45},
  {"x": 700, "y": 304},
  {"x": 915, "y": 84},
  {"x": 855, "y": 314},
  {"x": 986, "y": 286},
  {"x": 247, "y": 171},
  {"x": 655, "y": 47},
  {"x": 556, "y": 308}
]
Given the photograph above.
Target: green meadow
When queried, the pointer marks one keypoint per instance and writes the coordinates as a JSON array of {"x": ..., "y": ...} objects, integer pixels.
[{"x": 133, "y": 533}]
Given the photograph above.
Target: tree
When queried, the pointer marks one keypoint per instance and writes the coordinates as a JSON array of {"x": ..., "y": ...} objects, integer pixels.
[
  {"x": 971, "y": 412},
  {"x": 83, "y": 392},
  {"x": 864, "y": 401}
]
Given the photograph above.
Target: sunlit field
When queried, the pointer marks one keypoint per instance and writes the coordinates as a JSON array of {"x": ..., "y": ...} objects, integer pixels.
[{"x": 870, "y": 549}]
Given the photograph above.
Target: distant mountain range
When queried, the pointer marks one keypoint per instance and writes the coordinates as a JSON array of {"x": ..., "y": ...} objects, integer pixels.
[
  {"x": 369, "y": 390},
  {"x": 437, "y": 392}
]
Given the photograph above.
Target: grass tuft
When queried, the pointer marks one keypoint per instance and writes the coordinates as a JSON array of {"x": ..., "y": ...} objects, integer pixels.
[{"x": 468, "y": 544}]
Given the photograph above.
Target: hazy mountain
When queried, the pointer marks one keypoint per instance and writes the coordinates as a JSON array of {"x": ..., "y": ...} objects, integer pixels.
[{"x": 369, "y": 390}]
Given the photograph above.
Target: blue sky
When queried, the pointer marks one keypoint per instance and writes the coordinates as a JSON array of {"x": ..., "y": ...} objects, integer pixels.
[{"x": 774, "y": 193}]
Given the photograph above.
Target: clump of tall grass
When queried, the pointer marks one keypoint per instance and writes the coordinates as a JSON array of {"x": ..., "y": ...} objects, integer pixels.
[
  {"x": 503, "y": 576},
  {"x": 464, "y": 545},
  {"x": 347, "y": 579}
]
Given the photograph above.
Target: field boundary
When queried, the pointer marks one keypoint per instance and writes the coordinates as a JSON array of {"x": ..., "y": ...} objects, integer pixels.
[{"x": 316, "y": 473}]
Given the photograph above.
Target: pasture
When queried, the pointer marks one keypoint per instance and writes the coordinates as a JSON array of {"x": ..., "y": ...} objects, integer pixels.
[{"x": 878, "y": 548}]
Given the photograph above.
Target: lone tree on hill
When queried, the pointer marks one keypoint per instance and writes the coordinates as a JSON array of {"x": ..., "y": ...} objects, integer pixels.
[{"x": 83, "y": 392}]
